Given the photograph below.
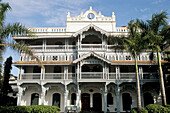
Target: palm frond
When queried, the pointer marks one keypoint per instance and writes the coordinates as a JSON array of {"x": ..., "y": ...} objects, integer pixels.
[
  {"x": 4, "y": 7},
  {"x": 21, "y": 47},
  {"x": 15, "y": 29}
]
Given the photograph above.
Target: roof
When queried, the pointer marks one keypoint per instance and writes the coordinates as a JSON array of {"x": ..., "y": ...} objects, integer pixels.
[
  {"x": 92, "y": 53},
  {"x": 89, "y": 27}
]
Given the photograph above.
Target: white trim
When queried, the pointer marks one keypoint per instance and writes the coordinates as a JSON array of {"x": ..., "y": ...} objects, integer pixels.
[
  {"x": 92, "y": 54},
  {"x": 88, "y": 27}
]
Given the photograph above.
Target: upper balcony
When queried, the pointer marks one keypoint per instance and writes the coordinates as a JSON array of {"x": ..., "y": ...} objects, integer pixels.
[{"x": 88, "y": 73}]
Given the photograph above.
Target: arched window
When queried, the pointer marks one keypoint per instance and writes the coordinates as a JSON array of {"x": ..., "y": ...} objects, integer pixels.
[
  {"x": 34, "y": 99},
  {"x": 56, "y": 99},
  {"x": 73, "y": 99}
]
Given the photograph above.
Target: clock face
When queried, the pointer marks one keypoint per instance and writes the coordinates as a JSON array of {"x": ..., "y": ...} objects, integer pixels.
[{"x": 90, "y": 16}]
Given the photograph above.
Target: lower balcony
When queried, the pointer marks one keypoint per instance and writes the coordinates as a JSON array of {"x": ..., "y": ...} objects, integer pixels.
[{"x": 88, "y": 76}]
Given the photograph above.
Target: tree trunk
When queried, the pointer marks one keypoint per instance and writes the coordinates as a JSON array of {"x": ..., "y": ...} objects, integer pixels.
[
  {"x": 138, "y": 86},
  {"x": 161, "y": 80}
]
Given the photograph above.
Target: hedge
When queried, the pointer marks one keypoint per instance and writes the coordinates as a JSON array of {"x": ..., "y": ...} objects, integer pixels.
[
  {"x": 135, "y": 110},
  {"x": 153, "y": 108},
  {"x": 29, "y": 109}
]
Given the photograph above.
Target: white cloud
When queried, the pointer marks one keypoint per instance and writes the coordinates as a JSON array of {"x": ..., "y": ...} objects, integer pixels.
[
  {"x": 144, "y": 10},
  {"x": 158, "y": 1},
  {"x": 49, "y": 11}
]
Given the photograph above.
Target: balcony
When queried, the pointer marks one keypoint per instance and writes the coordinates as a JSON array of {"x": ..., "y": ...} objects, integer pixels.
[
  {"x": 88, "y": 76},
  {"x": 92, "y": 75}
]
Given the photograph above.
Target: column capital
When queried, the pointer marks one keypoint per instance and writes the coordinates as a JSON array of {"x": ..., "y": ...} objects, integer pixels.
[{"x": 117, "y": 90}]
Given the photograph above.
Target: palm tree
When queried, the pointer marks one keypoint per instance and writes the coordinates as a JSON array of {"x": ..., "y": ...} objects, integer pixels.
[
  {"x": 134, "y": 44},
  {"x": 10, "y": 30},
  {"x": 156, "y": 30}
]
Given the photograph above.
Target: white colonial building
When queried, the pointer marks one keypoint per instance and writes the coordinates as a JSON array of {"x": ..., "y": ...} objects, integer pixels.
[{"x": 82, "y": 69}]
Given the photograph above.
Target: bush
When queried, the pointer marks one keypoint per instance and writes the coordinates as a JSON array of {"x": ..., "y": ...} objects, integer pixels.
[
  {"x": 168, "y": 106},
  {"x": 153, "y": 108},
  {"x": 29, "y": 109},
  {"x": 135, "y": 110}
]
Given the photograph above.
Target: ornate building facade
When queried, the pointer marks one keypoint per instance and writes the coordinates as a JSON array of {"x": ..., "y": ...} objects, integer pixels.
[{"x": 82, "y": 69}]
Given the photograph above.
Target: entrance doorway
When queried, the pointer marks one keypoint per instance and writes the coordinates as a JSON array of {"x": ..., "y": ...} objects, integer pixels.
[
  {"x": 148, "y": 99},
  {"x": 127, "y": 101},
  {"x": 85, "y": 102},
  {"x": 97, "y": 102},
  {"x": 56, "y": 100}
]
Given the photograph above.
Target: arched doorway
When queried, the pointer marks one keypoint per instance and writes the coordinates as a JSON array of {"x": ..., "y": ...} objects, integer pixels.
[
  {"x": 56, "y": 99},
  {"x": 73, "y": 99},
  {"x": 97, "y": 102},
  {"x": 127, "y": 101},
  {"x": 148, "y": 99},
  {"x": 85, "y": 102},
  {"x": 34, "y": 99},
  {"x": 109, "y": 102}
]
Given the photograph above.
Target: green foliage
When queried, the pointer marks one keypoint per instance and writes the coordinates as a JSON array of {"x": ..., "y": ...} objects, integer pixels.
[
  {"x": 168, "y": 106},
  {"x": 153, "y": 108},
  {"x": 135, "y": 110},
  {"x": 6, "y": 88},
  {"x": 29, "y": 109}
]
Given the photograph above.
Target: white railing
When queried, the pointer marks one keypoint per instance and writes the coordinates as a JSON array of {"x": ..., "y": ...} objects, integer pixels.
[
  {"x": 60, "y": 47},
  {"x": 31, "y": 76},
  {"x": 112, "y": 76},
  {"x": 92, "y": 75},
  {"x": 91, "y": 47},
  {"x": 121, "y": 29},
  {"x": 36, "y": 48},
  {"x": 56, "y": 29},
  {"x": 54, "y": 76},
  {"x": 87, "y": 75},
  {"x": 71, "y": 76},
  {"x": 151, "y": 75},
  {"x": 127, "y": 75}
]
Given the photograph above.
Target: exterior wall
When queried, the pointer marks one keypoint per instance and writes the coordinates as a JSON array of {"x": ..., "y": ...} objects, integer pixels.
[
  {"x": 26, "y": 97},
  {"x": 109, "y": 80},
  {"x": 49, "y": 97}
]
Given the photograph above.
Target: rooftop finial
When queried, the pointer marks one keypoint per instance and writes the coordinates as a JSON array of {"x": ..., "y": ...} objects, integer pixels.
[
  {"x": 68, "y": 14},
  {"x": 90, "y": 7}
]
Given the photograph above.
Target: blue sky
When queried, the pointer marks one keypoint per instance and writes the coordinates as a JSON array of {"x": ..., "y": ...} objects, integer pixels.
[{"x": 52, "y": 13}]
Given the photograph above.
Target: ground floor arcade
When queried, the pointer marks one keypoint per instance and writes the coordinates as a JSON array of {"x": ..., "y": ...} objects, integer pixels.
[{"x": 88, "y": 96}]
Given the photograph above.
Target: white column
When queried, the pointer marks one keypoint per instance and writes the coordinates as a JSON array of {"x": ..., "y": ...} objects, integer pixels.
[
  {"x": 20, "y": 91},
  {"x": 78, "y": 101},
  {"x": 91, "y": 100},
  {"x": 103, "y": 43},
  {"x": 103, "y": 69},
  {"x": 117, "y": 73},
  {"x": 80, "y": 69},
  {"x": 20, "y": 76},
  {"x": 117, "y": 90},
  {"x": 41, "y": 77},
  {"x": 65, "y": 98},
  {"x": 44, "y": 44},
  {"x": 78, "y": 44},
  {"x": 105, "y": 102},
  {"x": 43, "y": 91},
  {"x": 65, "y": 72},
  {"x": 105, "y": 98},
  {"x": 81, "y": 37}
]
